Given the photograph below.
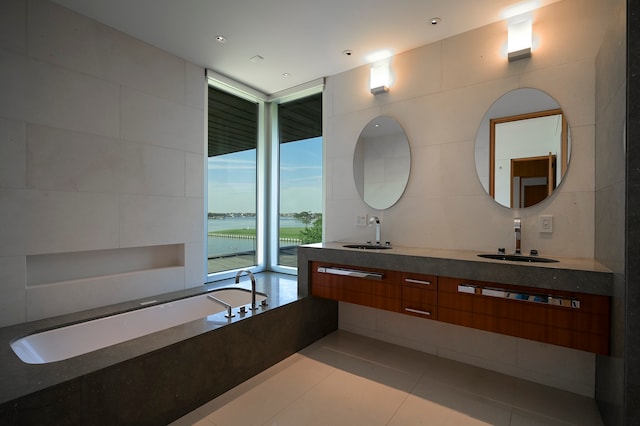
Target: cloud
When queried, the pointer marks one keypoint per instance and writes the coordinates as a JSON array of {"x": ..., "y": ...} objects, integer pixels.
[
  {"x": 297, "y": 168},
  {"x": 226, "y": 164}
]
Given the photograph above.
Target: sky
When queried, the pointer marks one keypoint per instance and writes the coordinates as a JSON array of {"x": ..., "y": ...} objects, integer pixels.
[{"x": 231, "y": 179}]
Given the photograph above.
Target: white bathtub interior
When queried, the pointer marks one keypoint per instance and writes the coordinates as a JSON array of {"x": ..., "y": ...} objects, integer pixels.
[{"x": 77, "y": 339}]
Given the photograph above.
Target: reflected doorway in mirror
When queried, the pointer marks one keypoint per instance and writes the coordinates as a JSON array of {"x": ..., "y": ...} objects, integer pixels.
[{"x": 523, "y": 148}]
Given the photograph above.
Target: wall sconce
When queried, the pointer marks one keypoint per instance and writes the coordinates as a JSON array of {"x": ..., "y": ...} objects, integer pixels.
[
  {"x": 380, "y": 78},
  {"x": 519, "y": 39}
]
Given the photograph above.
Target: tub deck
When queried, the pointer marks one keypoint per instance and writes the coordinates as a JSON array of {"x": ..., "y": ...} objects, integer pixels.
[
  {"x": 77, "y": 339},
  {"x": 159, "y": 377}
]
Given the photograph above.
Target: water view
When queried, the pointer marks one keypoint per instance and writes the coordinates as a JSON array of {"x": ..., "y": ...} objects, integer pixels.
[{"x": 221, "y": 243}]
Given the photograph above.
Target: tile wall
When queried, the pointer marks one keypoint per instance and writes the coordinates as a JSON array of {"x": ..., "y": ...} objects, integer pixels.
[
  {"x": 101, "y": 150},
  {"x": 611, "y": 106},
  {"x": 440, "y": 95},
  {"x": 628, "y": 387},
  {"x": 562, "y": 368}
]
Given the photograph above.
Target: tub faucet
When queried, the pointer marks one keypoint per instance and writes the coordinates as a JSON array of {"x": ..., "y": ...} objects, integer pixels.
[
  {"x": 253, "y": 286},
  {"x": 517, "y": 225},
  {"x": 376, "y": 220}
]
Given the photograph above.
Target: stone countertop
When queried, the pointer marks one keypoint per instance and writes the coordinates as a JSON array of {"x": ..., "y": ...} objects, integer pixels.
[
  {"x": 568, "y": 274},
  {"x": 18, "y": 379}
]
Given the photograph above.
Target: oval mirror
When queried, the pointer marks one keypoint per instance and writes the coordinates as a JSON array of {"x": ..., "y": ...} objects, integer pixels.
[
  {"x": 381, "y": 162},
  {"x": 523, "y": 147}
]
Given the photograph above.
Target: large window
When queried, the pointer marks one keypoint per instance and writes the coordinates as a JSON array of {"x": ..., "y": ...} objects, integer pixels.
[
  {"x": 231, "y": 182},
  {"x": 300, "y": 175},
  {"x": 264, "y": 194}
]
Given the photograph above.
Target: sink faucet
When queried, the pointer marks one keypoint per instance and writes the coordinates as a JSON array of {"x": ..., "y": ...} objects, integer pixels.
[
  {"x": 253, "y": 286},
  {"x": 517, "y": 225},
  {"x": 376, "y": 220}
]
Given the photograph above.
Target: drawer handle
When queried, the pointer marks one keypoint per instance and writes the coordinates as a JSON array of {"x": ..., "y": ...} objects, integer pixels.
[
  {"x": 414, "y": 281},
  {"x": 351, "y": 273},
  {"x": 466, "y": 288},
  {"x": 418, "y": 311},
  {"x": 495, "y": 292},
  {"x": 537, "y": 298}
]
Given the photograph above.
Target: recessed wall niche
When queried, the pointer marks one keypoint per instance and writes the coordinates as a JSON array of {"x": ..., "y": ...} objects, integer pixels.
[
  {"x": 59, "y": 267},
  {"x": 63, "y": 283}
]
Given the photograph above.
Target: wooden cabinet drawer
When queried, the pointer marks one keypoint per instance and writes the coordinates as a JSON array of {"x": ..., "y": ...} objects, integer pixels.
[
  {"x": 426, "y": 282},
  {"x": 420, "y": 295},
  {"x": 419, "y": 302},
  {"x": 576, "y": 320},
  {"x": 376, "y": 288}
]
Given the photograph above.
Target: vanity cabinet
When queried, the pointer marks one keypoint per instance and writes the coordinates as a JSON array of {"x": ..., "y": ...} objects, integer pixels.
[
  {"x": 575, "y": 320},
  {"x": 570, "y": 319}
]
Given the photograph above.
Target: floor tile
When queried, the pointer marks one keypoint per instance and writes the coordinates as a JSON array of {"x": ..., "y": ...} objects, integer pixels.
[
  {"x": 348, "y": 343},
  {"x": 478, "y": 381},
  {"x": 376, "y": 361},
  {"x": 248, "y": 385},
  {"x": 348, "y": 379},
  {"x": 343, "y": 399},
  {"x": 268, "y": 397},
  {"x": 556, "y": 404},
  {"x": 194, "y": 418},
  {"x": 421, "y": 411},
  {"x": 523, "y": 418},
  {"x": 463, "y": 404}
]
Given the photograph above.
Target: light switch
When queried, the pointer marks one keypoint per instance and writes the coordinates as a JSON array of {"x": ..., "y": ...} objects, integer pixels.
[
  {"x": 545, "y": 223},
  {"x": 361, "y": 221}
]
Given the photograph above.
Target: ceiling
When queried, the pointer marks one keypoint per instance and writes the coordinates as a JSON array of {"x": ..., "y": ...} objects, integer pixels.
[{"x": 302, "y": 38}]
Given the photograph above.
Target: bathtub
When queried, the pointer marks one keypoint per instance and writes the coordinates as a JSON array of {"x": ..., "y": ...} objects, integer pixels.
[{"x": 69, "y": 341}]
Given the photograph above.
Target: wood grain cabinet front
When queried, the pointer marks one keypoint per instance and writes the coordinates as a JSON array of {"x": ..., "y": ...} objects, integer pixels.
[
  {"x": 574, "y": 320},
  {"x": 420, "y": 295},
  {"x": 376, "y": 288}
]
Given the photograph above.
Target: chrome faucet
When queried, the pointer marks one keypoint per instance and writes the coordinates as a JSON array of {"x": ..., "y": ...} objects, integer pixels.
[
  {"x": 227, "y": 306},
  {"x": 517, "y": 225},
  {"x": 253, "y": 286},
  {"x": 376, "y": 220}
]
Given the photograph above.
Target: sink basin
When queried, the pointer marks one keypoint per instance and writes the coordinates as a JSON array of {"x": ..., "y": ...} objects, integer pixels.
[
  {"x": 517, "y": 258},
  {"x": 367, "y": 246}
]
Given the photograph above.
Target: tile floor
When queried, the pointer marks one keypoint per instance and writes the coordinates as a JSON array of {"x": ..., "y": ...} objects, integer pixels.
[{"x": 347, "y": 379}]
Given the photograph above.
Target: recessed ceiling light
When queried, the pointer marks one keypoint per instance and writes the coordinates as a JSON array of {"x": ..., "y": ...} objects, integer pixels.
[
  {"x": 347, "y": 52},
  {"x": 286, "y": 74},
  {"x": 221, "y": 39},
  {"x": 435, "y": 21}
]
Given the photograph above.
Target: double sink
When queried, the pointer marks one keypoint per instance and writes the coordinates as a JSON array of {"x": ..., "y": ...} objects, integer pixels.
[
  {"x": 368, "y": 246},
  {"x": 494, "y": 256},
  {"x": 517, "y": 258}
]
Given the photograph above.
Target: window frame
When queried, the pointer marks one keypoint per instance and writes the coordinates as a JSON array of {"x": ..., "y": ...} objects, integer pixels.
[
  {"x": 274, "y": 207},
  {"x": 267, "y": 171}
]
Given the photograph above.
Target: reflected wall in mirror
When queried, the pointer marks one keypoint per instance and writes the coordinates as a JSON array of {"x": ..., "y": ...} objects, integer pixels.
[
  {"x": 523, "y": 147},
  {"x": 381, "y": 163}
]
